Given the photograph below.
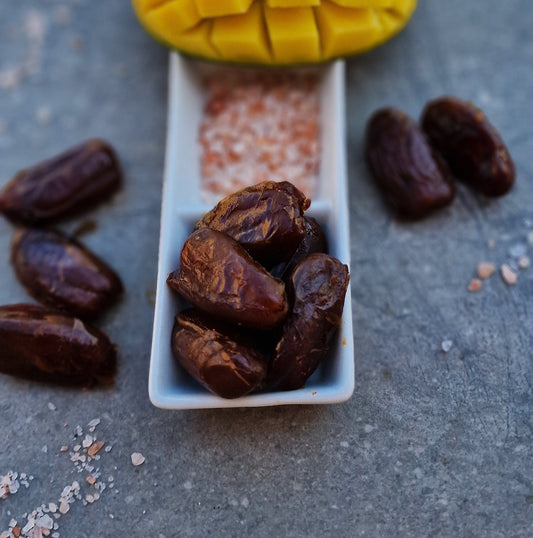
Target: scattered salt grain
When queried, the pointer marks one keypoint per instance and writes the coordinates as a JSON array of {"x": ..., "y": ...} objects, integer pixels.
[
  {"x": 51, "y": 406},
  {"x": 446, "y": 345},
  {"x": 137, "y": 459},
  {"x": 93, "y": 423},
  {"x": 475, "y": 285},
  {"x": 508, "y": 275},
  {"x": 95, "y": 448},
  {"x": 485, "y": 270},
  {"x": 524, "y": 262},
  {"x": 88, "y": 441}
]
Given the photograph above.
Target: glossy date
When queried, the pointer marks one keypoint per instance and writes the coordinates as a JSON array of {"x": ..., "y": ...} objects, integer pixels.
[
  {"x": 412, "y": 179},
  {"x": 266, "y": 219},
  {"x": 217, "y": 356},
  {"x": 62, "y": 185},
  {"x": 60, "y": 272},
  {"x": 37, "y": 342},
  {"x": 472, "y": 147},
  {"x": 218, "y": 276},
  {"x": 317, "y": 288}
]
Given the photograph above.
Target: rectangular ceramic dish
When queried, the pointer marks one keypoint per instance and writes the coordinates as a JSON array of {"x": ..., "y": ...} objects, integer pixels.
[{"x": 170, "y": 387}]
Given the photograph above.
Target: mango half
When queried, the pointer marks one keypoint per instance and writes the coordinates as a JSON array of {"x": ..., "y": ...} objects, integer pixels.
[{"x": 273, "y": 32}]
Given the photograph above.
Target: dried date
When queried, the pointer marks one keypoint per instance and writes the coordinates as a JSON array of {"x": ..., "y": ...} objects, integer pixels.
[
  {"x": 217, "y": 356},
  {"x": 219, "y": 277},
  {"x": 412, "y": 179},
  {"x": 62, "y": 185},
  {"x": 472, "y": 147},
  {"x": 60, "y": 272},
  {"x": 313, "y": 241},
  {"x": 266, "y": 219},
  {"x": 317, "y": 287},
  {"x": 37, "y": 342}
]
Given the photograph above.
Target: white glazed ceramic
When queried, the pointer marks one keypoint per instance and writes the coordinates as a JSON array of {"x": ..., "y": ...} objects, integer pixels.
[{"x": 170, "y": 387}]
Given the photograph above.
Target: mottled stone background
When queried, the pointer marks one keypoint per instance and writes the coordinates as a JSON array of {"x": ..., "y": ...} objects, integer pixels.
[{"x": 433, "y": 443}]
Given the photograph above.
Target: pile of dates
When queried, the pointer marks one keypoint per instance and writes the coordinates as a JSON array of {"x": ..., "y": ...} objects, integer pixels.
[
  {"x": 52, "y": 341},
  {"x": 265, "y": 296},
  {"x": 416, "y": 166}
]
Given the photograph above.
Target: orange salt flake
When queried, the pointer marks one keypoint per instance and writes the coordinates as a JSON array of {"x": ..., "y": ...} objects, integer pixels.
[
  {"x": 508, "y": 275},
  {"x": 95, "y": 448},
  {"x": 91, "y": 480},
  {"x": 485, "y": 270},
  {"x": 475, "y": 285}
]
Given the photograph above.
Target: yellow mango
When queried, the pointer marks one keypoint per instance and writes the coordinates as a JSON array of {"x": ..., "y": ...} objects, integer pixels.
[
  {"x": 346, "y": 30},
  {"x": 173, "y": 18},
  {"x": 197, "y": 41},
  {"x": 364, "y": 3},
  {"x": 292, "y": 3},
  {"x": 293, "y": 34},
  {"x": 242, "y": 37},
  {"x": 273, "y": 32},
  {"x": 219, "y": 8}
]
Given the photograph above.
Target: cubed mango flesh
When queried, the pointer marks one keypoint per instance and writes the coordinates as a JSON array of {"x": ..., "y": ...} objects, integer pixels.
[
  {"x": 345, "y": 30},
  {"x": 219, "y": 8},
  {"x": 273, "y": 32},
  {"x": 242, "y": 37},
  {"x": 293, "y": 34}
]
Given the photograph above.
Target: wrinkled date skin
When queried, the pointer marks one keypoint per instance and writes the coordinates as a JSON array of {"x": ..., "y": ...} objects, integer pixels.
[
  {"x": 318, "y": 287},
  {"x": 413, "y": 179},
  {"x": 217, "y": 356},
  {"x": 37, "y": 342},
  {"x": 472, "y": 147},
  {"x": 62, "y": 185},
  {"x": 313, "y": 241},
  {"x": 266, "y": 219},
  {"x": 60, "y": 272},
  {"x": 219, "y": 277}
]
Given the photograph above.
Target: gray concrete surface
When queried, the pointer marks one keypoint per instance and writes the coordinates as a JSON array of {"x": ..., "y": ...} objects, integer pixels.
[{"x": 433, "y": 443}]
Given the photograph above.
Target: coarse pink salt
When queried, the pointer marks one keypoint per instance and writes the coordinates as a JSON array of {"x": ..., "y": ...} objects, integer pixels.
[{"x": 259, "y": 126}]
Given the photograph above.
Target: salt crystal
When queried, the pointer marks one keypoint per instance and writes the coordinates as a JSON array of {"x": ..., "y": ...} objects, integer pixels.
[
  {"x": 485, "y": 270},
  {"x": 45, "y": 521},
  {"x": 446, "y": 345},
  {"x": 88, "y": 441},
  {"x": 51, "y": 406},
  {"x": 508, "y": 275},
  {"x": 52, "y": 507},
  {"x": 94, "y": 423},
  {"x": 475, "y": 285},
  {"x": 44, "y": 449},
  {"x": 89, "y": 498},
  {"x": 64, "y": 507},
  {"x": 64, "y": 448},
  {"x": 137, "y": 459},
  {"x": 79, "y": 431},
  {"x": 524, "y": 262}
]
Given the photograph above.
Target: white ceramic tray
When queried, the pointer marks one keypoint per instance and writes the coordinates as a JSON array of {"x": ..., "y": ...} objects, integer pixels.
[{"x": 170, "y": 387}]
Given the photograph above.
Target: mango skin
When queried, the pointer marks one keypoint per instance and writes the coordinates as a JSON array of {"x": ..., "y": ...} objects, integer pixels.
[{"x": 393, "y": 15}]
